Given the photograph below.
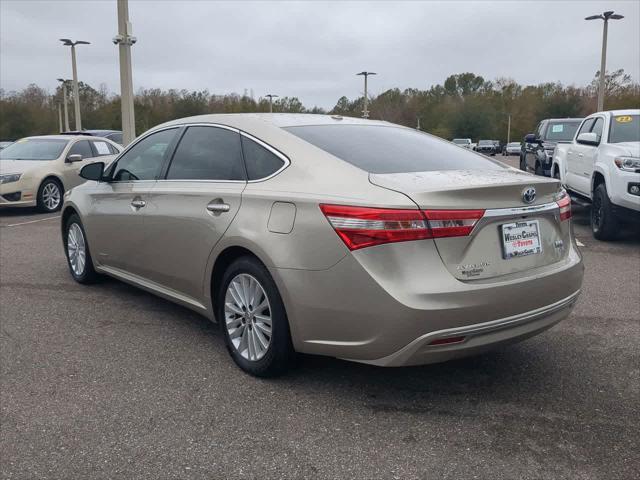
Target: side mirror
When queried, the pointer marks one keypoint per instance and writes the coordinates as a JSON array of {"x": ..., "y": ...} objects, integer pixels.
[
  {"x": 76, "y": 157},
  {"x": 93, "y": 171},
  {"x": 530, "y": 138},
  {"x": 589, "y": 138}
]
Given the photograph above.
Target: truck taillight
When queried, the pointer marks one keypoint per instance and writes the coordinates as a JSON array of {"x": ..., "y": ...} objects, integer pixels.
[
  {"x": 361, "y": 227},
  {"x": 565, "y": 207}
]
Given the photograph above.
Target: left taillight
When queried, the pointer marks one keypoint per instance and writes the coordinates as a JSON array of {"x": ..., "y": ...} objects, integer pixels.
[
  {"x": 565, "y": 207},
  {"x": 361, "y": 227}
]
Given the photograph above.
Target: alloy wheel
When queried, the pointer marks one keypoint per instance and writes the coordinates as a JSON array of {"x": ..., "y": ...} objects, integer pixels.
[
  {"x": 248, "y": 317},
  {"x": 51, "y": 196},
  {"x": 76, "y": 249},
  {"x": 596, "y": 212}
]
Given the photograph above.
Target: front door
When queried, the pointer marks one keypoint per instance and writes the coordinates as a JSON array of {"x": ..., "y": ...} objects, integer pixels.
[{"x": 116, "y": 218}]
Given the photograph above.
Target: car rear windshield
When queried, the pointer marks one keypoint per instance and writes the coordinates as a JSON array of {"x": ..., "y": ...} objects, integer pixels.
[
  {"x": 625, "y": 128},
  {"x": 34, "y": 149},
  {"x": 561, "y": 131},
  {"x": 388, "y": 149}
]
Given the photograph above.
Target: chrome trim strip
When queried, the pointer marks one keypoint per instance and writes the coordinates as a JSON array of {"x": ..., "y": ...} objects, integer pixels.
[
  {"x": 276, "y": 152},
  {"x": 505, "y": 212}
]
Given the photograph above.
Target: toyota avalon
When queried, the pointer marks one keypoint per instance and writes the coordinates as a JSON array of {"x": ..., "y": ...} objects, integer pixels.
[{"x": 352, "y": 238}]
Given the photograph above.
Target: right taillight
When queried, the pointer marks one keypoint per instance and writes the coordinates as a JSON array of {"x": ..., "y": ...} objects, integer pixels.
[
  {"x": 361, "y": 227},
  {"x": 565, "y": 207}
]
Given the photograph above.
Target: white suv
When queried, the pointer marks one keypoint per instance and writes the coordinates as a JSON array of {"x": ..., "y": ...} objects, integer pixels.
[{"x": 602, "y": 165}]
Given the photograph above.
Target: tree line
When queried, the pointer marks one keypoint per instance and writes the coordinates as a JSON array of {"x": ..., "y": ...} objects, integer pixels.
[{"x": 465, "y": 105}]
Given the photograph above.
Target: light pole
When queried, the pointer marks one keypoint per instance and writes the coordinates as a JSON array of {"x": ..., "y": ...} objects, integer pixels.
[
  {"x": 365, "y": 111},
  {"x": 60, "y": 116},
  {"x": 64, "y": 100},
  {"x": 76, "y": 95},
  {"x": 124, "y": 40},
  {"x": 606, "y": 16},
  {"x": 271, "y": 97},
  {"x": 509, "y": 129}
]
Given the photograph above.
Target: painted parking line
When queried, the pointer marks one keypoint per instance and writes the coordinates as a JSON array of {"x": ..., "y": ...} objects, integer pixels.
[
  {"x": 30, "y": 221},
  {"x": 580, "y": 244}
]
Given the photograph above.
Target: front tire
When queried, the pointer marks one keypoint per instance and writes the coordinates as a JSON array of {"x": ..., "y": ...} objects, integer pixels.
[
  {"x": 604, "y": 224},
  {"x": 523, "y": 164},
  {"x": 77, "y": 252},
  {"x": 253, "y": 319},
  {"x": 50, "y": 196}
]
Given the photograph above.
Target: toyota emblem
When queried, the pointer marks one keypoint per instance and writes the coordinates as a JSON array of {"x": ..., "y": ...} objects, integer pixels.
[{"x": 529, "y": 195}]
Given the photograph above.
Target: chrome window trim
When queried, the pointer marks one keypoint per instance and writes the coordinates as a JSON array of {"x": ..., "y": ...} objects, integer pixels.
[{"x": 505, "y": 212}]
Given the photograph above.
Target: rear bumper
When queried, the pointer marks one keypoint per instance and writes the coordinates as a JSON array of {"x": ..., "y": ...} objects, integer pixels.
[
  {"x": 478, "y": 337},
  {"x": 383, "y": 305}
]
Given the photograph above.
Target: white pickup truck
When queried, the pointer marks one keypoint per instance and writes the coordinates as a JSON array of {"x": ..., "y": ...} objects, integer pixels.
[{"x": 602, "y": 166}]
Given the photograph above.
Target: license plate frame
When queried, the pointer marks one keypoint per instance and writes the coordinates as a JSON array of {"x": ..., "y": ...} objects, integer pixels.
[{"x": 522, "y": 243}]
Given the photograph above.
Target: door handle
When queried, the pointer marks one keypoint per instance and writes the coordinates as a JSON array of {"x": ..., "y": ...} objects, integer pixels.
[
  {"x": 216, "y": 207},
  {"x": 138, "y": 203}
]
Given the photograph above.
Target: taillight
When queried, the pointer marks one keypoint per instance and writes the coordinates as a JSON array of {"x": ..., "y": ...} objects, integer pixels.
[
  {"x": 565, "y": 207},
  {"x": 452, "y": 223},
  {"x": 361, "y": 227}
]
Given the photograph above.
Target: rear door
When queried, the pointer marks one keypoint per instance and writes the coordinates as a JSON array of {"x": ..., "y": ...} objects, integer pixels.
[
  {"x": 118, "y": 206},
  {"x": 193, "y": 205}
]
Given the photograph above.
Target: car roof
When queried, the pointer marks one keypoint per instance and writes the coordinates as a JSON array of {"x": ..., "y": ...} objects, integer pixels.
[
  {"x": 574, "y": 119},
  {"x": 65, "y": 137},
  {"x": 281, "y": 120},
  {"x": 628, "y": 111}
]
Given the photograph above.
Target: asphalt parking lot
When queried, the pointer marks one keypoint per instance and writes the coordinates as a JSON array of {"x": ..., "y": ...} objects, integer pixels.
[{"x": 108, "y": 381}]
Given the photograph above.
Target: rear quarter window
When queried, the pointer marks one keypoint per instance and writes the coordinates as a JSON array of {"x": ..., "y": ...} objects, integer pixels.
[{"x": 390, "y": 149}]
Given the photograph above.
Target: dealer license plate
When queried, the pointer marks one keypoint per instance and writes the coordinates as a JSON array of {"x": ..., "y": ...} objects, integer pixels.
[{"x": 520, "y": 239}]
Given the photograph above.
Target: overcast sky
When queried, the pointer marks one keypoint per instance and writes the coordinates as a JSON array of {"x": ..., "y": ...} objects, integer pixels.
[{"x": 313, "y": 49}]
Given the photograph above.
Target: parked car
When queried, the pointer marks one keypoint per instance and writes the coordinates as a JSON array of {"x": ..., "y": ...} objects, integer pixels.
[
  {"x": 601, "y": 165},
  {"x": 497, "y": 146},
  {"x": 537, "y": 150},
  {"x": 4, "y": 144},
  {"x": 346, "y": 237},
  {"x": 113, "y": 135},
  {"x": 487, "y": 147},
  {"x": 463, "y": 142},
  {"x": 512, "y": 148},
  {"x": 36, "y": 171}
]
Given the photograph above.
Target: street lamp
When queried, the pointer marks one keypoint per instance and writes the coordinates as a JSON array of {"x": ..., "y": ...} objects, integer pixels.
[
  {"x": 365, "y": 111},
  {"x": 64, "y": 99},
  {"x": 76, "y": 95},
  {"x": 271, "y": 97},
  {"x": 606, "y": 16},
  {"x": 125, "y": 40}
]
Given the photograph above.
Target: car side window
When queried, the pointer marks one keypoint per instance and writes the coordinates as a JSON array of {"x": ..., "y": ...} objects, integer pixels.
[
  {"x": 541, "y": 130},
  {"x": 143, "y": 161},
  {"x": 598, "y": 125},
  {"x": 260, "y": 162},
  {"x": 585, "y": 127},
  {"x": 207, "y": 153},
  {"x": 101, "y": 148},
  {"x": 83, "y": 148}
]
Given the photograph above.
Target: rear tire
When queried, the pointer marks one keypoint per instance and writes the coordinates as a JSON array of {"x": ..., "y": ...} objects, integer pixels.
[
  {"x": 50, "y": 196},
  {"x": 77, "y": 252},
  {"x": 604, "y": 224},
  {"x": 523, "y": 165},
  {"x": 245, "y": 325}
]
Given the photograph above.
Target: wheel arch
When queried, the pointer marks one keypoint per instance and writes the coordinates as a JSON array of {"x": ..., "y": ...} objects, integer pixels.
[{"x": 599, "y": 177}]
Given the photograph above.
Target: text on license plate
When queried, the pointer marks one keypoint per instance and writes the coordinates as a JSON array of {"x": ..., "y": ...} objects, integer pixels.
[{"x": 520, "y": 239}]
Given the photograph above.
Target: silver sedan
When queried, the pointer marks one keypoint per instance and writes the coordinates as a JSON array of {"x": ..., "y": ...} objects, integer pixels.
[{"x": 357, "y": 239}]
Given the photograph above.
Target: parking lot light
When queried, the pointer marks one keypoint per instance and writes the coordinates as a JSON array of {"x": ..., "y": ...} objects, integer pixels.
[
  {"x": 76, "y": 94},
  {"x": 365, "y": 111},
  {"x": 606, "y": 16},
  {"x": 125, "y": 40},
  {"x": 270, "y": 96}
]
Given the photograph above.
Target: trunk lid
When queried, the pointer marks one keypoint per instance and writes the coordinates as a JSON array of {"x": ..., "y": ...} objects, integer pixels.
[{"x": 482, "y": 254}]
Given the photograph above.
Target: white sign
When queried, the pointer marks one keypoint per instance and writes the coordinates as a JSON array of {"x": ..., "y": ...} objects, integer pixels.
[{"x": 102, "y": 147}]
